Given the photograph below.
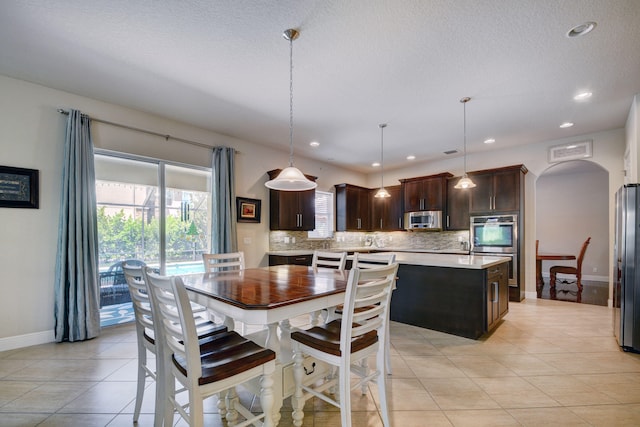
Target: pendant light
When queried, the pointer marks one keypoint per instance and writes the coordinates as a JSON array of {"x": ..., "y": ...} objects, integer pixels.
[
  {"x": 291, "y": 178},
  {"x": 382, "y": 192},
  {"x": 465, "y": 182}
]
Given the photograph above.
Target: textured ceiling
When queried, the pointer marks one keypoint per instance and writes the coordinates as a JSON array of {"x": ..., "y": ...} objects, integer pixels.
[{"x": 224, "y": 66}]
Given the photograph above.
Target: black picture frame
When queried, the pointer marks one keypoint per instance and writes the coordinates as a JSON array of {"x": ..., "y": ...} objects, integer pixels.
[
  {"x": 248, "y": 210},
  {"x": 19, "y": 188}
]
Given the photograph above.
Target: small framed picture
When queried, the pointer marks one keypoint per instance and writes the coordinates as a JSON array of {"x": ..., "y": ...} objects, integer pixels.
[
  {"x": 248, "y": 210},
  {"x": 19, "y": 187}
]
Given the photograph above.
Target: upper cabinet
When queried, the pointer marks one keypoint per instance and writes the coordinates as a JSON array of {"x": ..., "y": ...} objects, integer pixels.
[
  {"x": 497, "y": 190},
  {"x": 353, "y": 208},
  {"x": 457, "y": 214},
  {"x": 387, "y": 212},
  {"x": 426, "y": 193},
  {"x": 292, "y": 210}
]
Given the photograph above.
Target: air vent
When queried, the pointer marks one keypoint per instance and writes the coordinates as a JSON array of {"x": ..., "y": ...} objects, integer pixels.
[
  {"x": 451, "y": 152},
  {"x": 570, "y": 151}
]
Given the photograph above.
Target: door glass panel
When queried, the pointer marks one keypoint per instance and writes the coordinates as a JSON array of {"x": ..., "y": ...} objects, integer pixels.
[{"x": 188, "y": 218}]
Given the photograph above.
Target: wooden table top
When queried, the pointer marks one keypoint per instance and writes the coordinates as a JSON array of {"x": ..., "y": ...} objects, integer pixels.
[{"x": 268, "y": 287}]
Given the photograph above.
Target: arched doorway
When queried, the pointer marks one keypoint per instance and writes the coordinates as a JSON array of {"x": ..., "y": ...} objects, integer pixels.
[{"x": 572, "y": 203}]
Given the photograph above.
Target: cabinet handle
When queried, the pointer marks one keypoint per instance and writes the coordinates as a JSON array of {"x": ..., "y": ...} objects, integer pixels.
[
  {"x": 495, "y": 292},
  {"x": 359, "y": 224},
  {"x": 447, "y": 221},
  {"x": 380, "y": 222},
  {"x": 399, "y": 222}
]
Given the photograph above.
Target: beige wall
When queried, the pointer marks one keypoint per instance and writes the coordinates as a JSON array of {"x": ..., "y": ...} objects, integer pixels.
[{"x": 32, "y": 137}]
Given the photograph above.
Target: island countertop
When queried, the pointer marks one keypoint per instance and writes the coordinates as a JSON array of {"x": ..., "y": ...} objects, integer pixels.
[{"x": 425, "y": 259}]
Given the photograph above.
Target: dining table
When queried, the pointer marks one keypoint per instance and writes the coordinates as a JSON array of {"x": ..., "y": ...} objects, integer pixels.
[
  {"x": 542, "y": 256},
  {"x": 271, "y": 296}
]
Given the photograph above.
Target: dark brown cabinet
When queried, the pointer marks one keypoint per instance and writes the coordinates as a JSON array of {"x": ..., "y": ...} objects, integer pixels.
[
  {"x": 497, "y": 190},
  {"x": 497, "y": 287},
  {"x": 290, "y": 259},
  {"x": 292, "y": 210},
  {"x": 426, "y": 193},
  {"x": 387, "y": 212},
  {"x": 457, "y": 214},
  {"x": 353, "y": 208}
]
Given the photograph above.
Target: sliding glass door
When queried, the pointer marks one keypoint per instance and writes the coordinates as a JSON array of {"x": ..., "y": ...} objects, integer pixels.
[{"x": 149, "y": 211}]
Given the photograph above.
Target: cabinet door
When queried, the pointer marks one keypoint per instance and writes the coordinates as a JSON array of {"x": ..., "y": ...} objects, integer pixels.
[
  {"x": 506, "y": 191},
  {"x": 363, "y": 209},
  {"x": 307, "y": 210},
  {"x": 413, "y": 196},
  {"x": 503, "y": 291},
  {"x": 481, "y": 196},
  {"x": 493, "y": 291},
  {"x": 432, "y": 194},
  {"x": 457, "y": 206},
  {"x": 387, "y": 212}
]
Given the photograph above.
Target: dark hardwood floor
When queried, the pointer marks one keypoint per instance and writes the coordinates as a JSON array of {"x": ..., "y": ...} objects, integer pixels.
[{"x": 596, "y": 293}]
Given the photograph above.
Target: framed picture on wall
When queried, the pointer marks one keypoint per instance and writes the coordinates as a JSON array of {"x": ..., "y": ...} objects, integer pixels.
[
  {"x": 248, "y": 210},
  {"x": 19, "y": 187}
]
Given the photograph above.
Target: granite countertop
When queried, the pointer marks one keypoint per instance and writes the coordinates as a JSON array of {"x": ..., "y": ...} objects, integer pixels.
[
  {"x": 449, "y": 260},
  {"x": 294, "y": 252},
  {"x": 424, "y": 258}
]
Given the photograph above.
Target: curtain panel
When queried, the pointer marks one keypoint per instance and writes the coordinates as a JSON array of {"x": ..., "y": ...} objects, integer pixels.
[
  {"x": 76, "y": 310},
  {"x": 223, "y": 227}
]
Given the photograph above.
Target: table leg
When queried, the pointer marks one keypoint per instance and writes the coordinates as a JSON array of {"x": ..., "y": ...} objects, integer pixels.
[{"x": 539, "y": 279}]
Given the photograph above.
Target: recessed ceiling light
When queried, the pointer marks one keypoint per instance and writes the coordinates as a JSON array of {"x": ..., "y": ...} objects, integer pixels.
[
  {"x": 566, "y": 125},
  {"x": 582, "y": 96},
  {"x": 375, "y": 164},
  {"x": 489, "y": 141},
  {"x": 581, "y": 30},
  {"x": 314, "y": 144},
  {"x": 411, "y": 157}
]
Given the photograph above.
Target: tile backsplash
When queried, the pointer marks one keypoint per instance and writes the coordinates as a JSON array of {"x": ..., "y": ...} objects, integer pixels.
[{"x": 290, "y": 240}]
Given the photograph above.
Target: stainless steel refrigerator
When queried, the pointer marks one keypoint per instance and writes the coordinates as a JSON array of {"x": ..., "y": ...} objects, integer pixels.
[{"x": 626, "y": 289}]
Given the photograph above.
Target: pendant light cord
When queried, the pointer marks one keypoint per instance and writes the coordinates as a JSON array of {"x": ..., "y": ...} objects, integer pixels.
[
  {"x": 291, "y": 101},
  {"x": 464, "y": 126},
  {"x": 382, "y": 126}
]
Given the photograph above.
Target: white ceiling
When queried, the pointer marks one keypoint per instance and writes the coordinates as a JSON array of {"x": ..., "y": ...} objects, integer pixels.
[{"x": 224, "y": 66}]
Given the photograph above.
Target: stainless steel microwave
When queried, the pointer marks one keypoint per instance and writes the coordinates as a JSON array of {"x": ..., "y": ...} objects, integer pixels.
[{"x": 423, "y": 221}]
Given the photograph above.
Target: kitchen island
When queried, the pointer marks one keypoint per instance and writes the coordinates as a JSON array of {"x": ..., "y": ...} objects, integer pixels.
[{"x": 463, "y": 295}]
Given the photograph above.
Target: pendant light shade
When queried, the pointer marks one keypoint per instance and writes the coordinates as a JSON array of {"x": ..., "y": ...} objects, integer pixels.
[
  {"x": 382, "y": 192},
  {"x": 465, "y": 182},
  {"x": 291, "y": 179}
]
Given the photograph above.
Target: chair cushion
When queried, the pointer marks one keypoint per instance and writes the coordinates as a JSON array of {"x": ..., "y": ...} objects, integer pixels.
[
  {"x": 326, "y": 338},
  {"x": 226, "y": 354}
]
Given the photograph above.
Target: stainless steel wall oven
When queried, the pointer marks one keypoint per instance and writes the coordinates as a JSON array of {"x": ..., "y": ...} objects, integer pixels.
[{"x": 497, "y": 235}]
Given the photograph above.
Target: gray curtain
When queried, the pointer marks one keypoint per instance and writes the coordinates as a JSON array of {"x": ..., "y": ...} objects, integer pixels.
[
  {"x": 223, "y": 225},
  {"x": 76, "y": 310}
]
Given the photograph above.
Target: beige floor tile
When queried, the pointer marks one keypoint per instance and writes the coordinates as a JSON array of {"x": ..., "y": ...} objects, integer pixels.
[
  {"x": 22, "y": 420},
  {"x": 419, "y": 419},
  {"x": 48, "y": 397},
  {"x": 406, "y": 395},
  {"x": 555, "y": 385},
  {"x": 481, "y": 366},
  {"x": 531, "y": 399},
  {"x": 467, "y": 400},
  {"x": 481, "y": 418},
  {"x": 104, "y": 397},
  {"x": 65, "y": 420},
  {"x": 126, "y": 420},
  {"x": 69, "y": 370},
  {"x": 433, "y": 367},
  {"x": 534, "y": 417},
  {"x": 609, "y": 415},
  {"x": 12, "y": 390},
  {"x": 446, "y": 386},
  {"x": 358, "y": 419},
  {"x": 526, "y": 364}
]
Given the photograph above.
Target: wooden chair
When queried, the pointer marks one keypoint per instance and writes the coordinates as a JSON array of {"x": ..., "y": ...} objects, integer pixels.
[
  {"x": 337, "y": 260},
  {"x": 208, "y": 367},
  {"x": 576, "y": 271},
  {"x": 344, "y": 343},
  {"x": 223, "y": 262},
  {"x": 145, "y": 330}
]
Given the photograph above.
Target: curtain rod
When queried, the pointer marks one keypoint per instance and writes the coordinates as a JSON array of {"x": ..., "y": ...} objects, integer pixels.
[{"x": 165, "y": 136}]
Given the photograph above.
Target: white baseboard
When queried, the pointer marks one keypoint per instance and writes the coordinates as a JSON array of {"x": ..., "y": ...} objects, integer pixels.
[
  {"x": 530, "y": 295},
  {"x": 27, "y": 340}
]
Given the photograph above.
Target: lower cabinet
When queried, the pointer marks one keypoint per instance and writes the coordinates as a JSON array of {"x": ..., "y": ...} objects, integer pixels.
[
  {"x": 497, "y": 287},
  {"x": 290, "y": 259},
  {"x": 458, "y": 301}
]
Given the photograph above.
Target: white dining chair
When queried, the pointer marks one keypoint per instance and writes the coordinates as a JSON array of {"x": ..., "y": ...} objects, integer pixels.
[
  {"x": 223, "y": 262},
  {"x": 344, "y": 343},
  {"x": 146, "y": 332},
  {"x": 337, "y": 260},
  {"x": 205, "y": 367}
]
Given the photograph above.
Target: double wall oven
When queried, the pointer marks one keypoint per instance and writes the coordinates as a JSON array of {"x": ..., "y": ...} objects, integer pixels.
[{"x": 497, "y": 235}]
